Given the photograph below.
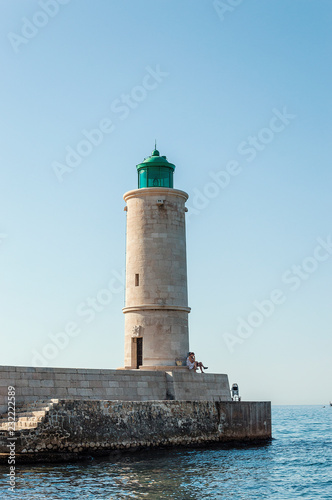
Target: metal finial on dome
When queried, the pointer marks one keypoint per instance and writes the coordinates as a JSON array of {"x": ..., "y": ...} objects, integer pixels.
[{"x": 155, "y": 152}]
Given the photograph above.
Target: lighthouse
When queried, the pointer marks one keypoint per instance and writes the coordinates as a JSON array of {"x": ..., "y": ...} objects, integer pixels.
[{"x": 156, "y": 304}]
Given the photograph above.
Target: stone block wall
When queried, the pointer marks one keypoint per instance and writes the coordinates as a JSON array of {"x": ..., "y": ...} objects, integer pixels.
[
  {"x": 42, "y": 384},
  {"x": 191, "y": 386},
  {"x": 99, "y": 426},
  {"x": 33, "y": 384},
  {"x": 162, "y": 330},
  {"x": 156, "y": 277},
  {"x": 156, "y": 247}
]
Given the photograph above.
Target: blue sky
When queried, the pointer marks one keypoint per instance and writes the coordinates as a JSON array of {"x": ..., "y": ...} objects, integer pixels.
[{"x": 238, "y": 95}]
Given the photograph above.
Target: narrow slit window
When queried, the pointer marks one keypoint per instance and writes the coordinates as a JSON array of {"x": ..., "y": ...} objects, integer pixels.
[{"x": 136, "y": 279}]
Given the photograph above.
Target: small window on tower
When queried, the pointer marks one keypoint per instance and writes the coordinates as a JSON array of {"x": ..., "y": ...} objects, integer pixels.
[{"x": 136, "y": 279}]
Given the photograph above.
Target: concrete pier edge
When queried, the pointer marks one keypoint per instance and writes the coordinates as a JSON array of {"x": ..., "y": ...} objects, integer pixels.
[{"x": 74, "y": 430}]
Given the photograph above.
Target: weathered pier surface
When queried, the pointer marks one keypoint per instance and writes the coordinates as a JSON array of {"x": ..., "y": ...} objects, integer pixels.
[
  {"x": 67, "y": 429},
  {"x": 64, "y": 413}
]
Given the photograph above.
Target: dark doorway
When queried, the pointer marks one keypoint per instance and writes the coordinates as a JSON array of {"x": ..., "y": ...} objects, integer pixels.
[{"x": 139, "y": 357}]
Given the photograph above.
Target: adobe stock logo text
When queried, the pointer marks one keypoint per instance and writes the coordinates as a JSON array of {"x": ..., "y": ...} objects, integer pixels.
[
  {"x": 122, "y": 106},
  {"x": 293, "y": 278},
  {"x": 31, "y": 27}
]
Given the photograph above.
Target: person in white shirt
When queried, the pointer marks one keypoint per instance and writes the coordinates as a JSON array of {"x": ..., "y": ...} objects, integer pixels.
[{"x": 193, "y": 364}]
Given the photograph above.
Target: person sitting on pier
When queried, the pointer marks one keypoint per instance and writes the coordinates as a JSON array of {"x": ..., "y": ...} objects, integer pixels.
[{"x": 193, "y": 364}]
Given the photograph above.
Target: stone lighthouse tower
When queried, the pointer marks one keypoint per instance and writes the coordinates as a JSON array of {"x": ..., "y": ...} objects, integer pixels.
[{"x": 156, "y": 309}]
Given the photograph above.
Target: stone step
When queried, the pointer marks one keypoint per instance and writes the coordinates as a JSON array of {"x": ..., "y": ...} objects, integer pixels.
[
  {"x": 31, "y": 420},
  {"x": 34, "y": 406},
  {"x": 25, "y": 415},
  {"x": 23, "y": 407},
  {"x": 28, "y": 416},
  {"x": 21, "y": 425}
]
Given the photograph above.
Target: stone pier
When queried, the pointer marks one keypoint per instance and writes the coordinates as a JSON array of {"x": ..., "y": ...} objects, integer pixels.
[{"x": 76, "y": 429}]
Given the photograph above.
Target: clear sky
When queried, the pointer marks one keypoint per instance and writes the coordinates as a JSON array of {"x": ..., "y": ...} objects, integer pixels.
[{"x": 238, "y": 96}]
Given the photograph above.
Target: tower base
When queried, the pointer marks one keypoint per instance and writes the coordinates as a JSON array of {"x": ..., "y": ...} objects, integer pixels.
[
  {"x": 164, "y": 368},
  {"x": 156, "y": 368}
]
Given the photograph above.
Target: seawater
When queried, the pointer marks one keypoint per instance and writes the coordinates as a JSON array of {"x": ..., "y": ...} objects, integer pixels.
[{"x": 296, "y": 464}]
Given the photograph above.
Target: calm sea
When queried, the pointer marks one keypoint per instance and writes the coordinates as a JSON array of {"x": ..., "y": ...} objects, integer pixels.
[{"x": 296, "y": 464}]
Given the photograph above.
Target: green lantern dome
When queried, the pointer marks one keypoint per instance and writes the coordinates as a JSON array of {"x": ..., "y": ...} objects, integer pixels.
[{"x": 155, "y": 171}]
